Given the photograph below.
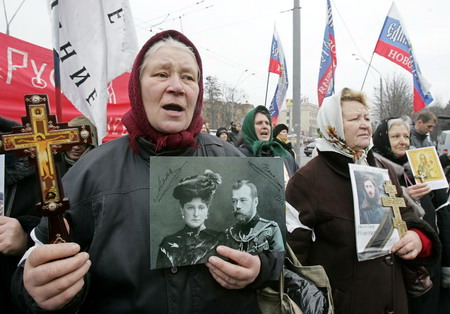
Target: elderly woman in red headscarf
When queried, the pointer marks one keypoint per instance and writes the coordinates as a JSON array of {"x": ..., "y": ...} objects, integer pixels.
[{"x": 107, "y": 269}]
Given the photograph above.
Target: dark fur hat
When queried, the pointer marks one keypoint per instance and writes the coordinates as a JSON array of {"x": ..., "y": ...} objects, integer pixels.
[
  {"x": 220, "y": 131},
  {"x": 203, "y": 186},
  {"x": 278, "y": 128}
]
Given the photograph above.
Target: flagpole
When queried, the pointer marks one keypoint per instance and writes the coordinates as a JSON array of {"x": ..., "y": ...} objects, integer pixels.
[
  {"x": 368, "y": 68},
  {"x": 267, "y": 88},
  {"x": 59, "y": 114},
  {"x": 268, "y": 73},
  {"x": 56, "y": 62},
  {"x": 296, "y": 86}
]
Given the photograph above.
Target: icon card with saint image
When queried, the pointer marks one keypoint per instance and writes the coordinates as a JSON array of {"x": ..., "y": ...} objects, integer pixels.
[
  {"x": 197, "y": 204},
  {"x": 374, "y": 228},
  {"x": 427, "y": 168}
]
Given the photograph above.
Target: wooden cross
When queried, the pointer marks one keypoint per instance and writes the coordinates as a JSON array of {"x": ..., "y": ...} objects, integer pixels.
[
  {"x": 40, "y": 138},
  {"x": 395, "y": 203}
]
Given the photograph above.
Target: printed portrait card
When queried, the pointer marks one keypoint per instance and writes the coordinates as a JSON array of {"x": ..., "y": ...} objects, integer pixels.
[
  {"x": 426, "y": 167},
  {"x": 197, "y": 204},
  {"x": 374, "y": 225}
]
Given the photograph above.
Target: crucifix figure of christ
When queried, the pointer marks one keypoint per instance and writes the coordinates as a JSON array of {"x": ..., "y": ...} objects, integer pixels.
[
  {"x": 40, "y": 138},
  {"x": 395, "y": 203},
  {"x": 421, "y": 177}
]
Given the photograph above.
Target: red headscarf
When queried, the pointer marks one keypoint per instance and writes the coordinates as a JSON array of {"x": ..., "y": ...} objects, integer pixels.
[{"x": 135, "y": 120}]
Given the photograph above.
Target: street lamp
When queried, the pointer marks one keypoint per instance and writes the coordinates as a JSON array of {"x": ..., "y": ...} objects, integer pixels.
[
  {"x": 240, "y": 81},
  {"x": 358, "y": 57}
]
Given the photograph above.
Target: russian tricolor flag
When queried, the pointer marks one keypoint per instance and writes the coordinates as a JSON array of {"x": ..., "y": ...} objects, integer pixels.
[
  {"x": 277, "y": 65},
  {"x": 328, "y": 60},
  {"x": 394, "y": 45}
]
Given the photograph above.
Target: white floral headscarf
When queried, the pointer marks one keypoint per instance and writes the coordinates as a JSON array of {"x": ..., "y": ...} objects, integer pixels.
[{"x": 331, "y": 131}]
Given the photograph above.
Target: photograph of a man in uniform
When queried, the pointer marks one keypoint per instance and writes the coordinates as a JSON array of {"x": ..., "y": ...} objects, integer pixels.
[{"x": 252, "y": 233}]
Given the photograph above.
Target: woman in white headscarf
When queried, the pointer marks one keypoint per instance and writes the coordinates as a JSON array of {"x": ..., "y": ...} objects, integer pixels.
[{"x": 321, "y": 192}]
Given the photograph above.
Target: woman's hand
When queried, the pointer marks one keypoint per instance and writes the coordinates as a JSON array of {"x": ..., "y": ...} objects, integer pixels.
[
  {"x": 234, "y": 276},
  {"x": 409, "y": 246},
  {"x": 13, "y": 240},
  {"x": 418, "y": 191},
  {"x": 53, "y": 274}
]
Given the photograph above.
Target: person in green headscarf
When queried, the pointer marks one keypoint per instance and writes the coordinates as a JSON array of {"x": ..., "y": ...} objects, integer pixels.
[{"x": 258, "y": 140}]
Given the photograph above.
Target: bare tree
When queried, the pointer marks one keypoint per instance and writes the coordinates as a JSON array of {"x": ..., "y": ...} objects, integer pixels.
[
  {"x": 212, "y": 89},
  {"x": 233, "y": 95},
  {"x": 213, "y": 95},
  {"x": 223, "y": 104},
  {"x": 395, "y": 100}
]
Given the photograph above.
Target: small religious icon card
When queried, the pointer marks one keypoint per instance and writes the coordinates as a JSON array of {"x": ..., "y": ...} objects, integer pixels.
[
  {"x": 197, "y": 204},
  {"x": 427, "y": 168},
  {"x": 374, "y": 226},
  {"x": 2, "y": 185}
]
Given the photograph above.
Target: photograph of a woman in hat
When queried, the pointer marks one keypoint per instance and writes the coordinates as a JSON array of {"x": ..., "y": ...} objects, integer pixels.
[{"x": 195, "y": 242}]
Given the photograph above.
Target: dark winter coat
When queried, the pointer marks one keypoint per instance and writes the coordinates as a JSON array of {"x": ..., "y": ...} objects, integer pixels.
[
  {"x": 321, "y": 192},
  {"x": 437, "y": 299},
  {"x": 21, "y": 197},
  {"x": 287, "y": 146},
  {"x": 109, "y": 190}
]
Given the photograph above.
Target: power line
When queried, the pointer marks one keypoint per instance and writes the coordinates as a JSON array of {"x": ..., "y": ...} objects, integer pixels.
[{"x": 347, "y": 29}]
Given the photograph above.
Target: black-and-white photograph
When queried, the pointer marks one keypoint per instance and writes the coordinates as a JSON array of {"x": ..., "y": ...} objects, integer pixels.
[
  {"x": 375, "y": 232},
  {"x": 197, "y": 204}
]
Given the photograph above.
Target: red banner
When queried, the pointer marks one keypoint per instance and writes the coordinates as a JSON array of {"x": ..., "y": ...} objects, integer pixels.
[{"x": 28, "y": 69}]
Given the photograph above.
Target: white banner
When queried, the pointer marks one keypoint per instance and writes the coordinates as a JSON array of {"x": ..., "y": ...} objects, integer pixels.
[{"x": 96, "y": 42}]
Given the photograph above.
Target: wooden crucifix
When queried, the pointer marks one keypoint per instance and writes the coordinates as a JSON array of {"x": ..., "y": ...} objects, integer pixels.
[
  {"x": 395, "y": 203},
  {"x": 40, "y": 138}
]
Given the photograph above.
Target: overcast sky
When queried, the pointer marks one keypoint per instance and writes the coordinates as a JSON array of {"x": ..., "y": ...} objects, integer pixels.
[{"x": 234, "y": 38}]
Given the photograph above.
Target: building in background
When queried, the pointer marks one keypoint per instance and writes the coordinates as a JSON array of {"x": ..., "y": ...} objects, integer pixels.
[{"x": 308, "y": 119}]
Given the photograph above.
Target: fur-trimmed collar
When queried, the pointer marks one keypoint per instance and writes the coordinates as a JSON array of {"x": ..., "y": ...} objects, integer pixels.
[
  {"x": 400, "y": 171},
  {"x": 16, "y": 169}
]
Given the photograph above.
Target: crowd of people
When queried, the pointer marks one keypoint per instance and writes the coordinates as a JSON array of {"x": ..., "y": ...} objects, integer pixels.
[{"x": 106, "y": 266}]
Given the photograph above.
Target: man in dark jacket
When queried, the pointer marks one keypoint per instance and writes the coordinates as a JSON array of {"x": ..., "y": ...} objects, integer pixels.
[{"x": 235, "y": 135}]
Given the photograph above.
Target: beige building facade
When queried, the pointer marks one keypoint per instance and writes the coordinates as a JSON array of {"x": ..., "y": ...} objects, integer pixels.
[{"x": 308, "y": 119}]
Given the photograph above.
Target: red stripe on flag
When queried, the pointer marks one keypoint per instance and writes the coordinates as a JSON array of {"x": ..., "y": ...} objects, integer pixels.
[
  {"x": 274, "y": 66},
  {"x": 418, "y": 101},
  {"x": 394, "y": 54}
]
